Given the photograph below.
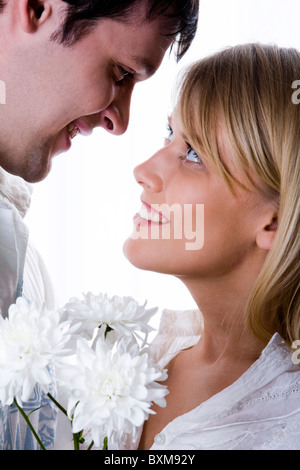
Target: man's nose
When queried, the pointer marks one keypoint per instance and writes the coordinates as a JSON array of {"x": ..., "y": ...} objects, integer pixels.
[{"x": 115, "y": 118}]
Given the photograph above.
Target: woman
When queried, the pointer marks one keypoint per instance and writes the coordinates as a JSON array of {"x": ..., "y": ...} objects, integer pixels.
[{"x": 233, "y": 148}]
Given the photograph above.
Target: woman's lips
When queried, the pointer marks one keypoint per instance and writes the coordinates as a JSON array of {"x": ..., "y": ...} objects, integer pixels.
[{"x": 150, "y": 215}]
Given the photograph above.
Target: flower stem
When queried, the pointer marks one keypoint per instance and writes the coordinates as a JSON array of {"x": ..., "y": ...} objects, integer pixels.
[
  {"x": 57, "y": 404},
  {"x": 29, "y": 425},
  {"x": 76, "y": 441},
  {"x": 76, "y": 436},
  {"x": 105, "y": 444},
  {"x": 90, "y": 446}
]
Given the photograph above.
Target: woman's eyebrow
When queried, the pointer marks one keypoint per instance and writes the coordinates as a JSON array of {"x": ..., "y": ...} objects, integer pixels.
[{"x": 182, "y": 135}]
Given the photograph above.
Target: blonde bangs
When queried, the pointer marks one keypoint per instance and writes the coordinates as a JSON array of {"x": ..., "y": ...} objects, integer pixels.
[{"x": 199, "y": 109}]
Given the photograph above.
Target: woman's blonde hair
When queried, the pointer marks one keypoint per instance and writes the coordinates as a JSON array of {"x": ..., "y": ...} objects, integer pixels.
[{"x": 248, "y": 89}]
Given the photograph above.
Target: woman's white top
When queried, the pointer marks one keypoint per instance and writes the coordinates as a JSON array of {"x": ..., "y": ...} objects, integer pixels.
[{"x": 261, "y": 410}]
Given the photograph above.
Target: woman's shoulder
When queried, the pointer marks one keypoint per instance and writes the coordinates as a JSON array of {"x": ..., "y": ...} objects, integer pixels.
[
  {"x": 260, "y": 410},
  {"x": 178, "y": 330}
]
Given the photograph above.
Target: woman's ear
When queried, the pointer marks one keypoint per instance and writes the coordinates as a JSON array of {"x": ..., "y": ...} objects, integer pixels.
[
  {"x": 33, "y": 13},
  {"x": 265, "y": 237}
]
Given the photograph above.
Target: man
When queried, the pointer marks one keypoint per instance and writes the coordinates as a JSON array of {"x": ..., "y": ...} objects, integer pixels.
[
  {"x": 65, "y": 72},
  {"x": 66, "y": 67}
]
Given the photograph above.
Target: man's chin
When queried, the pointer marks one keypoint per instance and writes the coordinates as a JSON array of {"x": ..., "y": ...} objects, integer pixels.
[
  {"x": 62, "y": 143},
  {"x": 29, "y": 174},
  {"x": 37, "y": 169}
]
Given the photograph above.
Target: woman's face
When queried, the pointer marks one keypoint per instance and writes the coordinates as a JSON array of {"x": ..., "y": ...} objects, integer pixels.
[{"x": 190, "y": 222}]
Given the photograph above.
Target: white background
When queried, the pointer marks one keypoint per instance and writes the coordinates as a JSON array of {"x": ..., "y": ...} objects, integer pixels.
[{"x": 82, "y": 213}]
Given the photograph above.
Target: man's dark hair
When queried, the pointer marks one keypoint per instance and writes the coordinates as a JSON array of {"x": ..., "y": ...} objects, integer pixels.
[{"x": 181, "y": 17}]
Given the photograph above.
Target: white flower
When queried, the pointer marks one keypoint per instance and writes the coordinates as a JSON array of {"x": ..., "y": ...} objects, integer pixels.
[
  {"x": 30, "y": 339},
  {"x": 122, "y": 314},
  {"x": 112, "y": 389}
]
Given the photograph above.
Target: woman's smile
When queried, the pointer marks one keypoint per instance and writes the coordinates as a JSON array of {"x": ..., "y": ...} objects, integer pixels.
[{"x": 150, "y": 214}]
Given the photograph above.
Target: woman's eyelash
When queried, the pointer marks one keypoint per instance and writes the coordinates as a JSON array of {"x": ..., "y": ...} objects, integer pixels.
[
  {"x": 169, "y": 129},
  {"x": 169, "y": 133},
  {"x": 191, "y": 155}
]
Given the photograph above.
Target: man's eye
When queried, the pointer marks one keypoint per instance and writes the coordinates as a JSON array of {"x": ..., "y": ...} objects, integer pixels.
[
  {"x": 122, "y": 74},
  {"x": 191, "y": 156}
]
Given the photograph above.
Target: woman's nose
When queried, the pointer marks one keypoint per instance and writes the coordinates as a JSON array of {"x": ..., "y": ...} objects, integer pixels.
[
  {"x": 115, "y": 117},
  {"x": 149, "y": 176}
]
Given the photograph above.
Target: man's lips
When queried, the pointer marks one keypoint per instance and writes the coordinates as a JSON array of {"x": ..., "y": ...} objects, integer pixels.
[
  {"x": 64, "y": 139},
  {"x": 78, "y": 127},
  {"x": 151, "y": 214},
  {"x": 72, "y": 130}
]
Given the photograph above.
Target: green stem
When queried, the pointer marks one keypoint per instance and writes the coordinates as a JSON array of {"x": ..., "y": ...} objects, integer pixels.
[
  {"x": 29, "y": 425},
  {"x": 76, "y": 436},
  {"x": 90, "y": 446},
  {"x": 105, "y": 444},
  {"x": 57, "y": 404},
  {"x": 76, "y": 441}
]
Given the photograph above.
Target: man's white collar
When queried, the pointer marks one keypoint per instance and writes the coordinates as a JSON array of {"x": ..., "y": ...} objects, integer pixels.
[{"x": 16, "y": 191}]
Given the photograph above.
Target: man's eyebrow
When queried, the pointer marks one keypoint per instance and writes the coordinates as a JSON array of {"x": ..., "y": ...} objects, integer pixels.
[{"x": 141, "y": 62}]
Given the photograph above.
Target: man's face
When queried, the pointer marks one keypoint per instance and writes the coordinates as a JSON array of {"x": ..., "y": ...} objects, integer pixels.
[{"x": 54, "y": 92}]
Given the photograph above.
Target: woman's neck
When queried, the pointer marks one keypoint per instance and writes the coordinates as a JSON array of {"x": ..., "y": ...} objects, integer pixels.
[{"x": 222, "y": 302}]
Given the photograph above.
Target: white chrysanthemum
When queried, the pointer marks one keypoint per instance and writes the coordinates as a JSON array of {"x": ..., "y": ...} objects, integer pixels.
[
  {"x": 30, "y": 339},
  {"x": 122, "y": 314},
  {"x": 112, "y": 389}
]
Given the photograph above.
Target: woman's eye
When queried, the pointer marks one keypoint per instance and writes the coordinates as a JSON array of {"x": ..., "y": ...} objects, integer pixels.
[
  {"x": 170, "y": 135},
  {"x": 191, "y": 156}
]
